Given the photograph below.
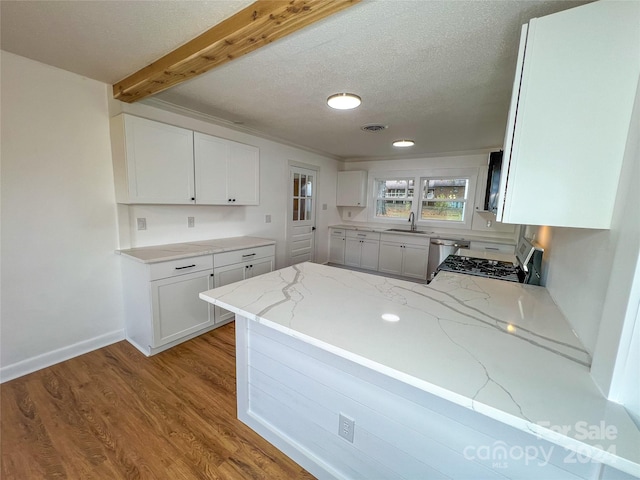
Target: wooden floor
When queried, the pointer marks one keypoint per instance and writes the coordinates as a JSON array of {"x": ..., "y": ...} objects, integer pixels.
[{"x": 116, "y": 414}]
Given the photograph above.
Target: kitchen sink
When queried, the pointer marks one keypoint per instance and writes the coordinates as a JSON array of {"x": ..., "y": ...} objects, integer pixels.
[{"x": 404, "y": 230}]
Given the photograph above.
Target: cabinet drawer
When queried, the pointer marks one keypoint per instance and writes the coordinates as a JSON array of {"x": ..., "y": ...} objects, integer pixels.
[
  {"x": 411, "y": 239},
  {"x": 363, "y": 235},
  {"x": 180, "y": 267},
  {"x": 244, "y": 255},
  {"x": 492, "y": 247}
]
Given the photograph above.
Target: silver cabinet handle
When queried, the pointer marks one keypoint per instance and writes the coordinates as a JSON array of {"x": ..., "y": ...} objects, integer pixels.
[
  {"x": 188, "y": 266},
  {"x": 248, "y": 255}
]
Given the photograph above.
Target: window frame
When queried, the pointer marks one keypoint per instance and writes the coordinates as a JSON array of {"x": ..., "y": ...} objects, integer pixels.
[
  {"x": 405, "y": 198},
  {"x": 423, "y": 199},
  {"x": 470, "y": 174}
]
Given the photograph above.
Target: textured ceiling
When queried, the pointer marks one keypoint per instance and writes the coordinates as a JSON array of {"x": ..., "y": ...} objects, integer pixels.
[
  {"x": 105, "y": 40},
  {"x": 439, "y": 72}
]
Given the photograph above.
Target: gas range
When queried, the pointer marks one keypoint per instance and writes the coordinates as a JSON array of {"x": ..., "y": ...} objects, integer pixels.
[
  {"x": 482, "y": 267},
  {"x": 526, "y": 269}
]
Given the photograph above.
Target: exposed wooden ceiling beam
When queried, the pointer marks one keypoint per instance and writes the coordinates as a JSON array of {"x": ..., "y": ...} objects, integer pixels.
[{"x": 253, "y": 27}]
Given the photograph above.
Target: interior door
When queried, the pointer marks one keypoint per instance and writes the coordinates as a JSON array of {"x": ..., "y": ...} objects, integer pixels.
[{"x": 302, "y": 214}]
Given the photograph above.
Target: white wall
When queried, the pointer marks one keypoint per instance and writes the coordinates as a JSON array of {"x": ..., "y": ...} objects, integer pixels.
[
  {"x": 168, "y": 224},
  {"x": 61, "y": 293}
]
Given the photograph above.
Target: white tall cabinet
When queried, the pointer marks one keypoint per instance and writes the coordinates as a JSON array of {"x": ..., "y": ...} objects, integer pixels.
[{"x": 576, "y": 80}]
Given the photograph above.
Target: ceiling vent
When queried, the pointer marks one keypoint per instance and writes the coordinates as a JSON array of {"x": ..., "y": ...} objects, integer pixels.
[{"x": 374, "y": 127}]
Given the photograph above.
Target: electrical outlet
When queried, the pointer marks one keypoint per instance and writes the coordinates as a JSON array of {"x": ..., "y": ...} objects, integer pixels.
[
  {"x": 267, "y": 219},
  {"x": 191, "y": 222},
  {"x": 349, "y": 214},
  {"x": 346, "y": 427},
  {"x": 142, "y": 223},
  {"x": 324, "y": 206}
]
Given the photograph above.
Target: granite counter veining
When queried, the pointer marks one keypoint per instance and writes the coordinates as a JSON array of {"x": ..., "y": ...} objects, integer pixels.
[
  {"x": 509, "y": 352},
  {"x": 176, "y": 251}
]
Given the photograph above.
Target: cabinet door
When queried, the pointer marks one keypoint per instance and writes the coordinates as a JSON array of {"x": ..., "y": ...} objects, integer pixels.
[
  {"x": 210, "y": 157},
  {"x": 177, "y": 308},
  {"x": 575, "y": 86},
  {"x": 369, "y": 255},
  {"x": 261, "y": 266},
  {"x": 414, "y": 261},
  {"x": 336, "y": 249},
  {"x": 351, "y": 189},
  {"x": 224, "y": 276},
  {"x": 243, "y": 174},
  {"x": 352, "y": 252},
  {"x": 159, "y": 160},
  {"x": 390, "y": 258}
]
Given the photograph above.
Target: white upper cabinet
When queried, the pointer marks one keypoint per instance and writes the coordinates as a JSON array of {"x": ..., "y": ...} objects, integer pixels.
[
  {"x": 227, "y": 173},
  {"x": 158, "y": 163},
  {"x": 351, "y": 190},
  {"x": 574, "y": 90},
  {"x": 153, "y": 162}
]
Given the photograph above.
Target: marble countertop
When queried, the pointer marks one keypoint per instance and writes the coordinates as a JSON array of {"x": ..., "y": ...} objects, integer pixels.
[
  {"x": 365, "y": 227},
  {"x": 176, "y": 251},
  {"x": 510, "y": 353}
]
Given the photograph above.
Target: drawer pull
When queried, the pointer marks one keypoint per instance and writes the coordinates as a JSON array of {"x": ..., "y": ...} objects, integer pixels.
[
  {"x": 248, "y": 255},
  {"x": 491, "y": 248},
  {"x": 188, "y": 266}
]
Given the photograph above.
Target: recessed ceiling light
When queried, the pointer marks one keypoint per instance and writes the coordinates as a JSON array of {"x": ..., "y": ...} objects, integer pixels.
[
  {"x": 404, "y": 143},
  {"x": 344, "y": 101},
  {"x": 390, "y": 317}
]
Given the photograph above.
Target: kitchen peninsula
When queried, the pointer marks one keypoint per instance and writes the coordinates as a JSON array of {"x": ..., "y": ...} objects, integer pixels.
[{"x": 355, "y": 375}]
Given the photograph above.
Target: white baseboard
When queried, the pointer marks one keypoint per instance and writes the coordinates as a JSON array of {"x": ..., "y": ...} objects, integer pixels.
[{"x": 44, "y": 360}]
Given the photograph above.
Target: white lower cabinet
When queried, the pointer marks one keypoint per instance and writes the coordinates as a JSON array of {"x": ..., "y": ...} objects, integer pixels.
[
  {"x": 361, "y": 249},
  {"x": 176, "y": 311},
  {"x": 337, "y": 241},
  {"x": 404, "y": 255},
  {"x": 162, "y": 304},
  {"x": 231, "y": 267}
]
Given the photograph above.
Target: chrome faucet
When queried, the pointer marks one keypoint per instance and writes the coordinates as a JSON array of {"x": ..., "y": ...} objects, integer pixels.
[{"x": 412, "y": 219}]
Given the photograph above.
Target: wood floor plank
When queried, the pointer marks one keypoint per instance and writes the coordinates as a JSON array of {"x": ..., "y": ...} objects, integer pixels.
[{"x": 116, "y": 414}]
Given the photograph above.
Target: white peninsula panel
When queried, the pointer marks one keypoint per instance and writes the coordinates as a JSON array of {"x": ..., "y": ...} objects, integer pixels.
[{"x": 485, "y": 360}]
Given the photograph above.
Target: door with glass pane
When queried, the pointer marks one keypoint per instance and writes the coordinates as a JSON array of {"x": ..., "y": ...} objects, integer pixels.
[{"x": 302, "y": 205}]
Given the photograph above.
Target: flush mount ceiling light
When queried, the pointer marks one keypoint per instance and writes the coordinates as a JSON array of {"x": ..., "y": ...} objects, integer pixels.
[
  {"x": 390, "y": 317},
  {"x": 344, "y": 101},
  {"x": 404, "y": 143}
]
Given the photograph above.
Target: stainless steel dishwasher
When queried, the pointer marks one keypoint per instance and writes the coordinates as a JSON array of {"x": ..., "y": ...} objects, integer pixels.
[{"x": 439, "y": 249}]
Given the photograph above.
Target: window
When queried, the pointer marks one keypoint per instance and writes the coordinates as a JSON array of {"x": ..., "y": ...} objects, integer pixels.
[
  {"x": 444, "y": 199},
  {"x": 394, "y": 197}
]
